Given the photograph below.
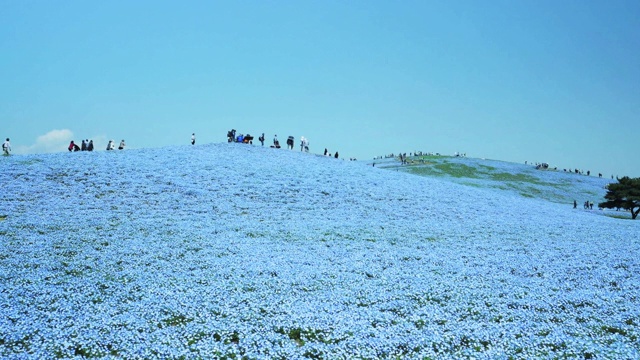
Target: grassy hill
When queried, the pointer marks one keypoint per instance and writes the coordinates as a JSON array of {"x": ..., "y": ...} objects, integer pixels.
[
  {"x": 525, "y": 180},
  {"x": 238, "y": 251}
]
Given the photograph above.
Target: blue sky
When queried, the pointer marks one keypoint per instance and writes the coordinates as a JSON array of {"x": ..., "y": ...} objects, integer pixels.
[{"x": 546, "y": 81}]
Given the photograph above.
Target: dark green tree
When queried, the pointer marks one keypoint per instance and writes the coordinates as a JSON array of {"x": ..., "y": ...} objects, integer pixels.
[{"x": 625, "y": 195}]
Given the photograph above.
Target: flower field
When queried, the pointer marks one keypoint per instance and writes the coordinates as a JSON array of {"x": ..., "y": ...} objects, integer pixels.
[{"x": 237, "y": 251}]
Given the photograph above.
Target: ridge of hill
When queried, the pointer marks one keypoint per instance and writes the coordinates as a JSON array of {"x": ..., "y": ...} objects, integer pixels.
[
  {"x": 231, "y": 250},
  {"x": 547, "y": 184}
]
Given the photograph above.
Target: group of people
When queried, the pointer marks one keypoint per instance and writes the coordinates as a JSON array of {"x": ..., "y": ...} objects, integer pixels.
[
  {"x": 327, "y": 153},
  {"x": 87, "y": 145},
  {"x": 545, "y": 166},
  {"x": 588, "y": 205},
  {"x": 232, "y": 137},
  {"x": 248, "y": 139},
  {"x": 111, "y": 145}
]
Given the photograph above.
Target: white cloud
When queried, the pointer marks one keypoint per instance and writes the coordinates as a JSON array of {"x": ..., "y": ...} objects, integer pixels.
[{"x": 53, "y": 141}]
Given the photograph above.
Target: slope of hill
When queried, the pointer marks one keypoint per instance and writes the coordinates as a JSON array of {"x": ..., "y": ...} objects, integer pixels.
[
  {"x": 553, "y": 185},
  {"x": 242, "y": 251}
]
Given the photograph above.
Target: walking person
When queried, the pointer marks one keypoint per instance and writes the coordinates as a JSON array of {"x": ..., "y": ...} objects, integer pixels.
[
  {"x": 261, "y": 139},
  {"x": 6, "y": 147},
  {"x": 193, "y": 139}
]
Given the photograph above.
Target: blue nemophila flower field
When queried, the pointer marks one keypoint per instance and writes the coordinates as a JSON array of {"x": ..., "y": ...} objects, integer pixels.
[{"x": 238, "y": 251}]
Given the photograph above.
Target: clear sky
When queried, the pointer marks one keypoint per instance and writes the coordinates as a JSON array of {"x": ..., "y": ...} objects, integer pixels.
[{"x": 532, "y": 80}]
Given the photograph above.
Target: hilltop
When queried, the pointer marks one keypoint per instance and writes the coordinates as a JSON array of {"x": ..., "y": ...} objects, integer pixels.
[
  {"x": 231, "y": 250},
  {"x": 525, "y": 180}
]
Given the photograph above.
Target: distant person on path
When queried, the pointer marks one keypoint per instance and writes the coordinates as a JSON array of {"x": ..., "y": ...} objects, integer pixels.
[
  {"x": 193, "y": 139},
  {"x": 575, "y": 204},
  {"x": 90, "y": 146},
  {"x": 261, "y": 139},
  {"x": 6, "y": 147},
  {"x": 122, "y": 144},
  {"x": 336, "y": 155},
  {"x": 326, "y": 151}
]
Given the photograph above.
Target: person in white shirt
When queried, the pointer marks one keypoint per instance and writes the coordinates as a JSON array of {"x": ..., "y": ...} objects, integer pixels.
[
  {"x": 6, "y": 147},
  {"x": 193, "y": 139},
  {"x": 122, "y": 144}
]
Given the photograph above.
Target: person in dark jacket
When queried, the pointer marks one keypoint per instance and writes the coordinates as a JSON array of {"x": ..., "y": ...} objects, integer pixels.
[{"x": 73, "y": 146}]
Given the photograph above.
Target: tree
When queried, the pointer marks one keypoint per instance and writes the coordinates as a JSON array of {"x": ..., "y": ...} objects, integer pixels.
[{"x": 625, "y": 194}]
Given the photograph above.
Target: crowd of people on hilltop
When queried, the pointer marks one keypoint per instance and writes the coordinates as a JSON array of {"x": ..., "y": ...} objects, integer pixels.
[
  {"x": 234, "y": 136},
  {"x": 87, "y": 145},
  {"x": 545, "y": 166}
]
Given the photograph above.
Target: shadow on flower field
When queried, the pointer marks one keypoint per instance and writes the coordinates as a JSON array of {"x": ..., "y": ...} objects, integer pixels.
[{"x": 238, "y": 251}]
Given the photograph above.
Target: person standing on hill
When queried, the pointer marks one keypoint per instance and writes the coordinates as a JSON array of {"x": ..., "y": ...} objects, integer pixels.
[
  {"x": 336, "y": 155},
  {"x": 90, "y": 146},
  {"x": 261, "y": 139},
  {"x": 6, "y": 147},
  {"x": 83, "y": 147},
  {"x": 121, "y": 146},
  {"x": 575, "y": 204},
  {"x": 193, "y": 139}
]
